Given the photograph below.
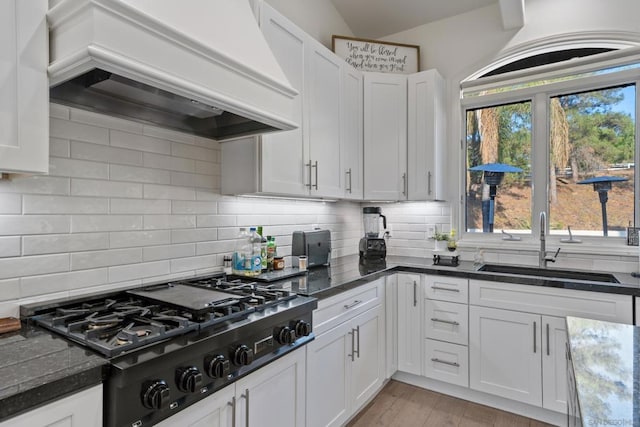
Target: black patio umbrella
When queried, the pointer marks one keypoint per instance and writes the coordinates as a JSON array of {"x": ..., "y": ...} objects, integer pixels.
[
  {"x": 602, "y": 184},
  {"x": 493, "y": 175}
]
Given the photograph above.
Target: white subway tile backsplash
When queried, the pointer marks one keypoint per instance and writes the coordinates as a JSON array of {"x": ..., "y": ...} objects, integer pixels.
[
  {"x": 207, "y": 168},
  {"x": 194, "y": 235},
  {"x": 193, "y": 207},
  {"x": 171, "y": 135},
  {"x": 92, "y": 223},
  {"x": 152, "y": 191},
  {"x": 33, "y": 265},
  {"x": 193, "y": 263},
  {"x": 94, "y": 259},
  {"x": 110, "y": 122},
  {"x": 194, "y": 152},
  {"x": 204, "y": 221},
  {"x": 35, "y": 185},
  {"x": 36, "y": 204},
  {"x": 15, "y": 225},
  {"x": 128, "y": 239},
  {"x": 78, "y": 131},
  {"x": 215, "y": 247},
  {"x": 156, "y": 253},
  {"x": 143, "y": 206},
  {"x": 159, "y": 161},
  {"x": 138, "y": 271},
  {"x": 9, "y": 290},
  {"x": 59, "y": 147},
  {"x": 88, "y": 187},
  {"x": 195, "y": 180},
  {"x": 56, "y": 243},
  {"x": 77, "y": 168},
  {"x": 59, "y": 111},
  {"x": 9, "y": 246},
  {"x": 46, "y": 284},
  {"x": 139, "y": 142},
  {"x": 139, "y": 174},
  {"x": 82, "y": 150},
  {"x": 10, "y": 203},
  {"x": 164, "y": 222}
]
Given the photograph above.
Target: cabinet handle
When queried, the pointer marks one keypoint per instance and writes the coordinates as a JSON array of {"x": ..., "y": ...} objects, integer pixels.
[
  {"x": 315, "y": 165},
  {"x": 353, "y": 345},
  {"x": 358, "y": 340},
  {"x": 309, "y": 166},
  {"x": 429, "y": 182},
  {"x": 535, "y": 348},
  {"x": 415, "y": 296},
  {"x": 349, "y": 173},
  {"x": 450, "y": 322},
  {"x": 233, "y": 411},
  {"x": 404, "y": 184},
  {"x": 435, "y": 359},
  {"x": 548, "y": 340},
  {"x": 353, "y": 304},
  {"x": 438, "y": 288},
  {"x": 246, "y": 410}
]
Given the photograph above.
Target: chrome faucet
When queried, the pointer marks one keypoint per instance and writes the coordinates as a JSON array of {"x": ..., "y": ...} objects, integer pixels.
[{"x": 543, "y": 259}]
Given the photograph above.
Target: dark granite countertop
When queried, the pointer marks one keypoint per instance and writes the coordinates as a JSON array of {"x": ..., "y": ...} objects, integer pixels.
[
  {"x": 37, "y": 367},
  {"x": 606, "y": 365}
]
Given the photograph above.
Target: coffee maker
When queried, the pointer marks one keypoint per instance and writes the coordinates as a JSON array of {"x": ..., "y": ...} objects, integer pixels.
[{"x": 372, "y": 246}]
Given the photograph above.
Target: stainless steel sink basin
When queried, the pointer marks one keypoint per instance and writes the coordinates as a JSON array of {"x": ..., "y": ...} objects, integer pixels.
[{"x": 550, "y": 273}]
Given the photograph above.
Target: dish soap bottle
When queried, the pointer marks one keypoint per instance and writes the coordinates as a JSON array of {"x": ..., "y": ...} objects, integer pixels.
[
  {"x": 263, "y": 249},
  {"x": 271, "y": 251}
]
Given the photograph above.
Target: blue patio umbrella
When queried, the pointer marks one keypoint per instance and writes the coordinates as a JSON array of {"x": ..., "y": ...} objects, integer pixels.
[
  {"x": 602, "y": 184},
  {"x": 493, "y": 175}
]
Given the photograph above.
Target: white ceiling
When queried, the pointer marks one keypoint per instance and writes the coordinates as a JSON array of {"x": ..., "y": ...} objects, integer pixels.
[{"x": 378, "y": 18}]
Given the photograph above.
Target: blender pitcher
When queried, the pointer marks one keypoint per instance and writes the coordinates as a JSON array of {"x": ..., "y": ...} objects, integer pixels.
[{"x": 371, "y": 217}]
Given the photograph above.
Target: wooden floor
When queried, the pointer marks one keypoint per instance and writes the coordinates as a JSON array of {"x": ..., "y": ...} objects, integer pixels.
[{"x": 404, "y": 405}]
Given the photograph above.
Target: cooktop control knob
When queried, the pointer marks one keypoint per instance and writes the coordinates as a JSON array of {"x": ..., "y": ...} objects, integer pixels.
[
  {"x": 303, "y": 328},
  {"x": 243, "y": 355},
  {"x": 285, "y": 335},
  {"x": 189, "y": 379},
  {"x": 217, "y": 366},
  {"x": 155, "y": 394}
]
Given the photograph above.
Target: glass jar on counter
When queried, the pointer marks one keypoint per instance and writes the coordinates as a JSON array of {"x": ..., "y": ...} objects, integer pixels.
[{"x": 278, "y": 263}]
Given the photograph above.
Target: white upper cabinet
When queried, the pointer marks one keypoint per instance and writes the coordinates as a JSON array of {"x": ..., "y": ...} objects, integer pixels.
[
  {"x": 425, "y": 136},
  {"x": 385, "y": 136},
  {"x": 352, "y": 127},
  {"x": 24, "y": 87}
]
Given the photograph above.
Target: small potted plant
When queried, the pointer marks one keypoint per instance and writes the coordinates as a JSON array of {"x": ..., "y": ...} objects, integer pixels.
[{"x": 441, "y": 240}]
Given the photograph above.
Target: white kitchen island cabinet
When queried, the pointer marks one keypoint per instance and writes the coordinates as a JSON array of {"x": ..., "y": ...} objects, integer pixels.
[
  {"x": 385, "y": 136},
  {"x": 346, "y": 361},
  {"x": 78, "y": 410},
  {"x": 24, "y": 86}
]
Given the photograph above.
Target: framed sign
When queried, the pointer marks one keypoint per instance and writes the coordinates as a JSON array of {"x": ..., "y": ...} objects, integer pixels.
[{"x": 373, "y": 55}]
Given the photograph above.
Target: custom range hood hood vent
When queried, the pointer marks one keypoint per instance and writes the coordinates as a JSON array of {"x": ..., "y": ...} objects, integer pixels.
[{"x": 195, "y": 66}]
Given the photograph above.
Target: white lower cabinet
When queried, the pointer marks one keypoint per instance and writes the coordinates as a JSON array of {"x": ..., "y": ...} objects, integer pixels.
[
  {"x": 253, "y": 399},
  {"x": 409, "y": 333},
  {"x": 554, "y": 363},
  {"x": 346, "y": 363},
  {"x": 80, "y": 409}
]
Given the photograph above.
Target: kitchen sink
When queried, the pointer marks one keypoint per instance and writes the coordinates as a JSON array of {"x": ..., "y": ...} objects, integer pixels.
[{"x": 550, "y": 273}]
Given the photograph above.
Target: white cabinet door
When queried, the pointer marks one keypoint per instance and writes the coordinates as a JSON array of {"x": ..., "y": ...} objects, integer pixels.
[
  {"x": 275, "y": 393},
  {"x": 368, "y": 366},
  {"x": 409, "y": 333},
  {"x": 214, "y": 411},
  {"x": 352, "y": 127},
  {"x": 282, "y": 161},
  {"x": 385, "y": 136},
  {"x": 554, "y": 363},
  {"x": 81, "y": 409},
  {"x": 505, "y": 354},
  {"x": 328, "y": 373},
  {"x": 24, "y": 86},
  {"x": 322, "y": 94},
  {"x": 425, "y": 136}
]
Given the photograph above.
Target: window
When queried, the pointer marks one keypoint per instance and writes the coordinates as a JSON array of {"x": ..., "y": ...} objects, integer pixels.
[{"x": 563, "y": 142}]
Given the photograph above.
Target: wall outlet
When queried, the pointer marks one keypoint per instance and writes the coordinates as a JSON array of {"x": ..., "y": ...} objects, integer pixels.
[
  {"x": 431, "y": 230},
  {"x": 388, "y": 232}
]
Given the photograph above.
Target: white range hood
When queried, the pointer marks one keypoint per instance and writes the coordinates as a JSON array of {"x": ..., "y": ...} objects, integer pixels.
[{"x": 198, "y": 66}]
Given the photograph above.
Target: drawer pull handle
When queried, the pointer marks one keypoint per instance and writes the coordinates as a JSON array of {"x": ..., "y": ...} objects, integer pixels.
[
  {"x": 535, "y": 339},
  {"x": 435, "y": 359},
  {"x": 450, "y": 322},
  {"x": 548, "y": 341},
  {"x": 415, "y": 294},
  {"x": 438, "y": 288},
  {"x": 353, "y": 304}
]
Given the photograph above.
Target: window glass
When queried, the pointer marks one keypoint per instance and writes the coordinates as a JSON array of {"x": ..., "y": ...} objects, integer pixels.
[
  {"x": 498, "y": 138},
  {"x": 591, "y": 158}
]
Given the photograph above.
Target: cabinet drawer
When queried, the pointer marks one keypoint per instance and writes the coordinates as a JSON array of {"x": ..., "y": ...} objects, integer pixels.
[
  {"x": 340, "y": 308},
  {"x": 447, "y": 362},
  {"x": 447, "y": 321},
  {"x": 552, "y": 301},
  {"x": 444, "y": 288}
]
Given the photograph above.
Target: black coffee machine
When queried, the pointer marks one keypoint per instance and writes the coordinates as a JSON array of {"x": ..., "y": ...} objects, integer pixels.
[{"x": 372, "y": 246}]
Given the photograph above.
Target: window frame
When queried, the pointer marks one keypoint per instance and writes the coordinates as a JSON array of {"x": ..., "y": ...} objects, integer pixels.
[{"x": 540, "y": 96}]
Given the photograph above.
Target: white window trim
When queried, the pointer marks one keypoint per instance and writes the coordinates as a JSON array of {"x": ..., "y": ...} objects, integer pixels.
[{"x": 539, "y": 96}]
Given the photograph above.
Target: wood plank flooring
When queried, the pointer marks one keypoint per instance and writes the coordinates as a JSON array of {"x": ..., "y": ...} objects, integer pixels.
[{"x": 403, "y": 405}]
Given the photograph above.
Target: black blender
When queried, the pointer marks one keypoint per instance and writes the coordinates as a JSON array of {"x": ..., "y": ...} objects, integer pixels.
[{"x": 372, "y": 246}]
